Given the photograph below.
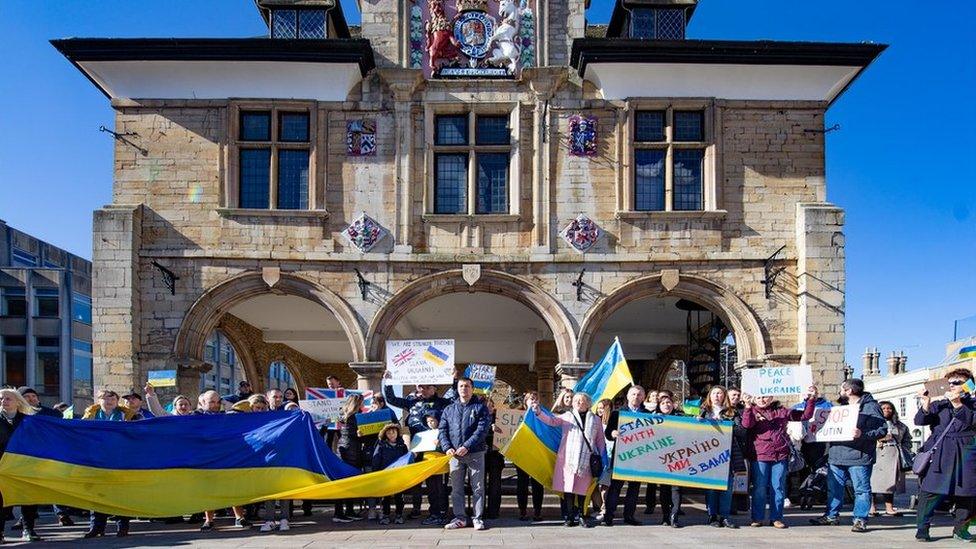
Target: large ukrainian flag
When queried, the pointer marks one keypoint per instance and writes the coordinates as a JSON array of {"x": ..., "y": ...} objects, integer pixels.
[
  {"x": 165, "y": 466},
  {"x": 533, "y": 448},
  {"x": 607, "y": 377}
]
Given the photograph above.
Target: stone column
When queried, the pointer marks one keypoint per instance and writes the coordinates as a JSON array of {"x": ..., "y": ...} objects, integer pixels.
[
  {"x": 116, "y": 310},
  {"x": 544, "y": 364},
  {"x": 369, "y": 375},
  {"x": 571, "y": 372},
  {"x": 403, "y": 83},
  {"x": 821, "y": 283}
]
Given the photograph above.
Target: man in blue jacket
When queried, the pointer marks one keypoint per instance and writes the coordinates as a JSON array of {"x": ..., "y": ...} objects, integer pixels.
[
  {"x": 854, "y": 459},
  {"x": 463, "y": 430}
]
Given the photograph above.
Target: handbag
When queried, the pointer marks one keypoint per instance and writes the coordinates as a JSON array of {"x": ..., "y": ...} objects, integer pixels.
[
  {"x": 905, "y": 458},
  {"x": 796, "y": 463},
  {"x": 920, "y": 465},
  {"x": 596, "y": 462}
]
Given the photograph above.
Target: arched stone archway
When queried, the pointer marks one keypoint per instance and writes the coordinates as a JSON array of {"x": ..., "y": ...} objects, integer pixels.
[
  {"x": 452, "y": 281},
  {"x": 208, "y": 310},
  {"x": 749, "y": 335}
]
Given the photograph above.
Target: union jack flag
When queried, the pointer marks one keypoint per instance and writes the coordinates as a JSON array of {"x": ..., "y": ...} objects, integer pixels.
[
  {"x": 403, "y": 357},
  {"x": 321, "y": 393}
]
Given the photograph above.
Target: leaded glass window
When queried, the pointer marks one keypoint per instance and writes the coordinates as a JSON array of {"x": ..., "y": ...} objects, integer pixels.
[
  {"x": 311, "y": 24},
  {"x": 669, "y": 155},
  {"x": 283, "y": 24},
  {"x": 255, "y": 167},
  {"x": 492, "y": 183},
  {"x": 450, "y": 183},
  {"x": 293, "y": 179},
  {"x": 649, "y": 180},
  {"x": 451, "y": 130},
  {"x": 688, "y": 179}
]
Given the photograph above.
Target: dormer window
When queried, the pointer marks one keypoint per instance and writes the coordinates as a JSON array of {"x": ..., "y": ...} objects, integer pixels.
[
  {"x": 657, "y": 24},
  {"x": 300, "y": 24}
]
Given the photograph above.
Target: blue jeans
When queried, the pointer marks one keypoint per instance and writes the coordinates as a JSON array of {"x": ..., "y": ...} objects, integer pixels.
[
  {"x": 768, "y": 476},
  {"x": 718, "y": 502},
  {"x": 860, "y": 476}
]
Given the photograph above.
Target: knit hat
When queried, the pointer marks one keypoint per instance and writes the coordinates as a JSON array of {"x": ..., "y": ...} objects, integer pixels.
[{"x": 25, "y": 390}]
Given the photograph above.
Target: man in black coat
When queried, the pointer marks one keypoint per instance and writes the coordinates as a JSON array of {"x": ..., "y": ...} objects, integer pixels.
[{"x": 635, "y": 401}]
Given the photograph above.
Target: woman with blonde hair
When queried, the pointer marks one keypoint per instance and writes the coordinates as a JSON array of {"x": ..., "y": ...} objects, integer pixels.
[
  {"x": 350, "y": 448},
  {"x": 107, "y": 408},
  {"x": 717, "y": 406},
  {"x": 14, "y": 409},
  {"x": 563, "y": 402},
  {"x": 181, "y": 404}
]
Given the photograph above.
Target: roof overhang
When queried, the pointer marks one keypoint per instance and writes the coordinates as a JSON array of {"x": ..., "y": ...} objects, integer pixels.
[
  {"x": 220, "y": 68},
  {"x": 760, "y": 70}
]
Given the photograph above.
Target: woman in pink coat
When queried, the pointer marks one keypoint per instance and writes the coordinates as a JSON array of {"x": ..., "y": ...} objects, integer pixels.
[{"x": 572, "y": 474}]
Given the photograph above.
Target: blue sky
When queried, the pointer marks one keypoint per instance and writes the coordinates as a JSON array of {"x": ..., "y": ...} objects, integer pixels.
[{"x": 902, "y": 164}]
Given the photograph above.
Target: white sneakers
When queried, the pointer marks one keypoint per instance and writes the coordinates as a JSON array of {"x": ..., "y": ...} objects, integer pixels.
[
  {"x": 460, "y": 523},
  {"x": 479, "y": 524},
  {"x": 270, "y": 526}
]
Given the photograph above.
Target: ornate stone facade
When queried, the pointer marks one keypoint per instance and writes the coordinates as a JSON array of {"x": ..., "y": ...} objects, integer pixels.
[{"x": 764, "y": 191}]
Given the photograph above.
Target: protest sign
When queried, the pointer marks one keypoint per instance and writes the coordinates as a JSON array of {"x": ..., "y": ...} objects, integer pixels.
[
  {"x": 162, "y": 378},
  {"x": 776, "y": 380},
  {"x": 482, "y": 376},
  {"x": 371, "y": 423},
  {"x": 420, "y": 362},
  {"x": 324, "y": 411},
  {"x": 676, "y": 450},
  {"x": 424, "y": 441},
  {"x": 835, "y": 424},
  {"x": 507, "y": 421}
]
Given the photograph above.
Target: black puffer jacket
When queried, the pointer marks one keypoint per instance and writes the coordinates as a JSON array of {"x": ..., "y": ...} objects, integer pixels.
[{"x": 7, "y": 429}]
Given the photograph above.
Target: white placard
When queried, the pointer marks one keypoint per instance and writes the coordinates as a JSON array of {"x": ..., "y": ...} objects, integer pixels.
[
  {"x": 420, "y": 362},
  {"x": 835, "y": 424},
  {"x": 323, "y": 411},
  {"x": 424, "y": 441},
  {"x": 776, "y": 380}
]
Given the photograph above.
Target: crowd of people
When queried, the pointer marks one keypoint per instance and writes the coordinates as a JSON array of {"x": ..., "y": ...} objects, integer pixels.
[{"x": 764, "y": 445}]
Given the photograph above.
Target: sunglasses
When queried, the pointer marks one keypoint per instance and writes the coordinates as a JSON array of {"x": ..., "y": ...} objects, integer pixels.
[{"x": 956, "y": 382}]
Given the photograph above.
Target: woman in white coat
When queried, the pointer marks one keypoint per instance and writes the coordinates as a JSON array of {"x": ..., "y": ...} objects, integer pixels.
[{"x": 582, "y": 433}]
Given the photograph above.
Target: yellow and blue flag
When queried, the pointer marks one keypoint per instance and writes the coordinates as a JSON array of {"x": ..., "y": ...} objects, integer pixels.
[
  {"x": 534, "y": 446},
  {"x": 969, "y": 387},
  {"x": 435, "y": 355},
  {"x": 607, "y": 377},
  {"x": 165, "y": 466},
  {"x": 967, "y": 352},
  {"x": 371, "y": 423}
]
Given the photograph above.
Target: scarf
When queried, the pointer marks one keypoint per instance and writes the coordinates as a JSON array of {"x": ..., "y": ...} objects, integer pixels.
[
  {"x": 577, "y": 453},
  {"x": 9, "y": 417}
]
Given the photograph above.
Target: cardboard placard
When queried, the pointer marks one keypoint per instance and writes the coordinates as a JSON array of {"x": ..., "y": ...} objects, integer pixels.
[
  {"x": 424, "y": 441},
  {"x": 776, "y": 380},
  {"x": 420, "y": 362},
  {"x": 324, "y": 411},
  {"x": 507, "y": 421},
  {"x": 675, "y": 450},
  {"x": 836, "y": 424}
]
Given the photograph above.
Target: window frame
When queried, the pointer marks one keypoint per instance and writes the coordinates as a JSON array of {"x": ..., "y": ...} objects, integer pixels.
[
  {"x": 46, "y": 294},
  {"x": 709, "y": 145},
  {"x": 231, "y": 199},
  {"x": 297, "y": 10},
  {"x": 472, "y": 149}
]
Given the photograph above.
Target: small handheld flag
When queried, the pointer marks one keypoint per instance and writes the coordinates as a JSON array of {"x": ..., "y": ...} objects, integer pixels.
[{"x": 607, "y": 377}]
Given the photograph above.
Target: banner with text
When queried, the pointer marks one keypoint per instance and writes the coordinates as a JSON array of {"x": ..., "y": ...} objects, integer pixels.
[
  {"x": 483, "y": 377},
  {"x": 420, "y": 362},
  {"x": 676, "y": 450},
  {"x": 776, "y": 380},
  {"x": 424, "y": 441},
  {"x": 835, "y": 424},
  {"x": 325, "y": 405},
  {"x": 507, "y": 421}
]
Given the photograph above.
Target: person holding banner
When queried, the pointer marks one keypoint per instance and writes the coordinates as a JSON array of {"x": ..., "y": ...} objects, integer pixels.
[
  {"x": 949, "y": 471},
  {"x": 290, "y": 395},
  {"x": 350, "y": 448},
  {"x": 416, "y": 406},
  {"x": 855, "y": 458},
  {"x": 14, "y": 408},
  {"x": 463, "y": 431},
  {"x": 524, "y": 481},
  {"x": 107, "y": 409},
  {"x": 494, "y": 465},
  {"x": 769, "y": 449},
  {"x": 670, "y": 496},
  {"x": 582, "y": 436},
  {"x": 888, "y": 474},
  {"x": 181, "y": 404},
  {"x": 635, "y": 403},
  {"x": 389, "y": 448},
  {"x": 717, "y": 406}
]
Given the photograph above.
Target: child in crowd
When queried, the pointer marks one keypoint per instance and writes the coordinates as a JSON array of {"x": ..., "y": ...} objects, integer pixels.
[{"x": 389, "y": 448}]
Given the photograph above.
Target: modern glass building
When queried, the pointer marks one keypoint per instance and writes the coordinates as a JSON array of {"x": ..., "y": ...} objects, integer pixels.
[{"x": 45, "y": 319}]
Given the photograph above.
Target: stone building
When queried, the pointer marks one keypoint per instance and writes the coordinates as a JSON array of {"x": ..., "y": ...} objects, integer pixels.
[
  {"x": 497, "y": 172},
  {"x": 45, "y": 319}
]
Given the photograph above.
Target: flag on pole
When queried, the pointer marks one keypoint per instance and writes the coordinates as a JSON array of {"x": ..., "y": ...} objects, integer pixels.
[{"x": 608, "y": 376}]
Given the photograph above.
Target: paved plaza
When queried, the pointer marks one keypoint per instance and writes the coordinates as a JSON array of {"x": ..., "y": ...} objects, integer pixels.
[{"x": 318, "y": 531}]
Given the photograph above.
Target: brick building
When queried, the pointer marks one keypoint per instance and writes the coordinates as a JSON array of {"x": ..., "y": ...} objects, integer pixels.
[{"x": 497, "y": 172}]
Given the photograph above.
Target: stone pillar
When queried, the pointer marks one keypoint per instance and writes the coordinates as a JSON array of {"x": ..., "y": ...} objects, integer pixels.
[
  {"x": 382, "y": 23},
  {"x": 116, "y": 311},
  {"x": 544, "y": 365},
  {"x": 544, "y": 83},
  {"x": 902, "y": 363},
  {"x": 571, "y": 372},
  {"x": 892, "y": 362},
  {"x": 820, "y": 291},
  {"x": 403, "y": 82},
  {"x": 369, "y": 375}
]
